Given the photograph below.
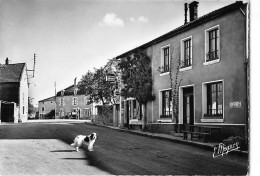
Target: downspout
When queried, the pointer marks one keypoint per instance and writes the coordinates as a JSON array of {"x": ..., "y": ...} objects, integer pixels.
[{"x": 247, "y": 73}]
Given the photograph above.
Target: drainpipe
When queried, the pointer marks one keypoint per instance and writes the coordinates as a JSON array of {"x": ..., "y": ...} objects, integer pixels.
[{"x": 247, "y": 73}]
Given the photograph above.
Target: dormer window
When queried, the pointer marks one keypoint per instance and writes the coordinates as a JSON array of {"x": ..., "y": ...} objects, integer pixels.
[{"x": 62, "y": 92}]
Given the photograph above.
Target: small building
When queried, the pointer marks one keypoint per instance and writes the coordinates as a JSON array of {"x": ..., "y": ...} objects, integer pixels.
[
  {"x": 46, "y": 105},
  {"x": 73, "y": 103},
  {"x": 13, "y": 92}
]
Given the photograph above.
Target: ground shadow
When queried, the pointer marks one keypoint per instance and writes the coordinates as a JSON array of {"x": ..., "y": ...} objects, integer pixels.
[{"x": 63, "y": 151}]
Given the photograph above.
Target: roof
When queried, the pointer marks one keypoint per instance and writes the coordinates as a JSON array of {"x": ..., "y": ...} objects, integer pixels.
[
  {"x": 70, "y": 91},
  {"x": 48, "y": 99},
  {"x": 11, "y": 72},
  {"x": 185, "y": 27}
]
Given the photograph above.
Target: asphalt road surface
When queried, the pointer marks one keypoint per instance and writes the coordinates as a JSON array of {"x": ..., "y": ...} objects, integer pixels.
[{"x": 44, "y": 149}]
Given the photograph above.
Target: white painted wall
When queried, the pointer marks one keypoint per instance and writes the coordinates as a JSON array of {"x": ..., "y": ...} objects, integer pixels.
[{"x": 23, "y": 97}]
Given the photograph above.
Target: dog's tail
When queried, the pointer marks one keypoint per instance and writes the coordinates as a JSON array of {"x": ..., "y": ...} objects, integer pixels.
[{"x": 73, "y": 144}]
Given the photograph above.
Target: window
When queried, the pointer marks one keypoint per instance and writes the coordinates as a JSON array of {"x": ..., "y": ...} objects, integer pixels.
[
  {"x": 214, "y": 99},
  {"x": 62, "y": 92},
  {"x": 213, "y": 102},
  {"x": 166, "y": 104},
  {"x": 42, "y": 108},
  {"x": 212, "y": 44},
  {"x": 87, "y": 112},
  {"x": 75, "y": 91},
  {"x": 62, "y": 103},
  {"x": 75, "y": 101},
  {"x": 186, "y": 53},
  {"x": 165, "y": 63}
]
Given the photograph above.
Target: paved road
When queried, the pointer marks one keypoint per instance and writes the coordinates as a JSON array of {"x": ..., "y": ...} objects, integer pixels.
[{"x": 43, "y": 148}]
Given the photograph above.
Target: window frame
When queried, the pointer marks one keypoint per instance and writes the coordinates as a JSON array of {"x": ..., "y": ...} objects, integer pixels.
[
  {"x": 205, "y": 116},
  {"x": 164, "y": 71},
  {"x": 62, "y": 101},
  {"x": 74, "y": 101},
  {"x": 188, "y": 67},
  {"x": 217, "y": 45},
  {"x": 163, "y": 112}
]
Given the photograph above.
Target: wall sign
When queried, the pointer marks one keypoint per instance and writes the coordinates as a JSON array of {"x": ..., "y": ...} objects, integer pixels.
[{"x": 236, "y": 104}]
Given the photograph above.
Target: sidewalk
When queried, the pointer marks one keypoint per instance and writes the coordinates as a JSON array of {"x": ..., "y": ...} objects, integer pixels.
[{"x": 178, "y": 138}]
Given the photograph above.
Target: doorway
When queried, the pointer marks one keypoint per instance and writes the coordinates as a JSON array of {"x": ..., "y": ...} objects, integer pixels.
[
  {"x": 7, "y": 112},
  {"x": 188, "y": 107}
]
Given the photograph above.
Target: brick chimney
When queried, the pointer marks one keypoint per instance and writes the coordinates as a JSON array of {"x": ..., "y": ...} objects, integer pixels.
[
  {"x": 185, "y": 13},
  {"x": 6, "y": 61},
  {"x": 193, "y": 9}
]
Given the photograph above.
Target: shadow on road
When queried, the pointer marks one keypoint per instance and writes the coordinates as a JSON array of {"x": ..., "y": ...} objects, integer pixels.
[
  {"x": 119, "y": 153},
  {"x": 63, "y": 151}
]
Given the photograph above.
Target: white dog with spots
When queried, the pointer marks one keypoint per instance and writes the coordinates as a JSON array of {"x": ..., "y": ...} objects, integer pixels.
[{"x": 89, "y": 140}]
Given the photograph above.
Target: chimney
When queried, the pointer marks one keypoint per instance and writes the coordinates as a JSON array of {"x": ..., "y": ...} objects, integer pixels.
[
  {"x": 193, "y": 7},
  {"x": 6, "y": 61},
  {"x": 75, "y": 80},
  {"x": 185, "y": 13}
]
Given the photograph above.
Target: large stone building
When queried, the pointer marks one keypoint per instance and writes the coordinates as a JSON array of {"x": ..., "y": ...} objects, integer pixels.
[
  {"x": 209, "y": 55},
  {"x": 73, "y": 102},
  {"x": 13, "y": 92}
]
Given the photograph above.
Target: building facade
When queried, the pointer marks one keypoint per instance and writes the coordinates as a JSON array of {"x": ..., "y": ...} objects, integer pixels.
[
  {"x": 46, "y": 105},
  {"x": 73, "y": 103},
  {"x": 204, "y": 63},
  {"x": 14, "y": 92}
]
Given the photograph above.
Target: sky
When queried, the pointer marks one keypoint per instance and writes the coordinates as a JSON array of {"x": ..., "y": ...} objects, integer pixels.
[{"x": 70, "y": 37}]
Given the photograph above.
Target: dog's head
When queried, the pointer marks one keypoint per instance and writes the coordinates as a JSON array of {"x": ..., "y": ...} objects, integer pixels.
[{"x": 93, "y": 136}]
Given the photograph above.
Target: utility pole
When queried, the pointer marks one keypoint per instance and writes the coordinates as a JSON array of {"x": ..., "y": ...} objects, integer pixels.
[
  {"x": 55, "y": 101},
  {"x": 34, "y": 62},
  {"x": 55, "y": 87}
]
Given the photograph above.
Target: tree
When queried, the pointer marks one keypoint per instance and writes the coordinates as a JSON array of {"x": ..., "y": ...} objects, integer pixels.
[
  {"x": 31, "y": 108},
  {"x": 98, "y": 90},
  {"x": 137, "y": 78},
  {"x": 96, "y": 86}
]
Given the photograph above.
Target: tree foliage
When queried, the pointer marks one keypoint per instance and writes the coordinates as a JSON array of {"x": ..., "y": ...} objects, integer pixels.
[
  {"x": 96, "y": 87},
  {"x": 31, "y": 109},
  {"x": 137, "y": 76},
  {"x": 98, "y": 90}
]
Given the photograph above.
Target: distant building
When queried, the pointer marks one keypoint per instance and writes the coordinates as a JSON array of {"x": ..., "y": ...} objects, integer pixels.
[
  {"x": 46, "y": 105},
  {"x": 13, "y": 92},
  {"x": 73, "y": 102}
]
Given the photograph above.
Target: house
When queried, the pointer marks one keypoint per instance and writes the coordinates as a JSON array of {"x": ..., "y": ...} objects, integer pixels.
[
  {"x": 46, "y": 105},
  {"x": 13, "y": 92},
  {"x": 206, "y": 59},
  {"x": 73, "y": 103}
]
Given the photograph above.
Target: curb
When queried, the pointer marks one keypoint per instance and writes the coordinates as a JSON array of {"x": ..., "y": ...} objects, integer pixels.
[{"x": 151, "y": 135}]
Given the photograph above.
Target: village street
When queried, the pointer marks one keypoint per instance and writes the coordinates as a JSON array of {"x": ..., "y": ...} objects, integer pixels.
[{"x": 44, "y": 149}]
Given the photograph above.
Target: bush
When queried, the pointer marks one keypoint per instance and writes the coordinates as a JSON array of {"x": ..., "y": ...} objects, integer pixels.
[{"x": 50, "y": 115}]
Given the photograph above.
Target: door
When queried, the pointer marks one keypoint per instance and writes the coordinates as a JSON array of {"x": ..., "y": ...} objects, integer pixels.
[{"x": 188, "y": 109}]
